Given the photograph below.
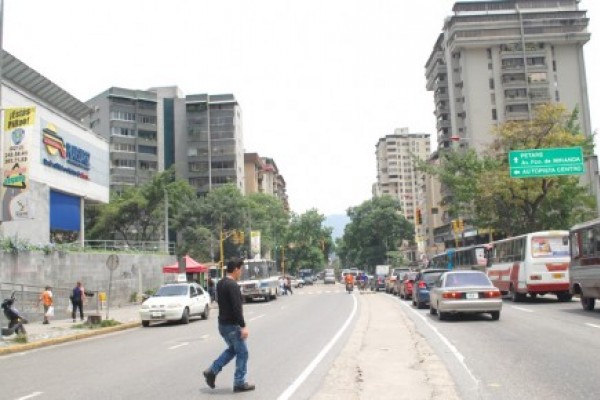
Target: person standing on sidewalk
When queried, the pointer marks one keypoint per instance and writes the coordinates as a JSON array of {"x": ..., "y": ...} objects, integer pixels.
[
  {"x": 47, "y": 301},
  {"x": 233, "y": 329},
  {"x": 77, "y": 299}
]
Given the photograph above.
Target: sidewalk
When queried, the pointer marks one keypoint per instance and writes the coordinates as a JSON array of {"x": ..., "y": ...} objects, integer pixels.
[
  {"x": 63, "y": 330},
  {"x": 385, "y": 358}
]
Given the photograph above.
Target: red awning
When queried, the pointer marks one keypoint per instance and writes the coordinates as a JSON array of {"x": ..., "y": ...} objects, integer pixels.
[{"x": 191, "y": 266}]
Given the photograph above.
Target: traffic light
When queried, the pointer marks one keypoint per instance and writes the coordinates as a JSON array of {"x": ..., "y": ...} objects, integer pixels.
[
  {"x": 454, "y": 225},
  {"x": 419, "y": 217},
  {"x": 461, "y": 225}
]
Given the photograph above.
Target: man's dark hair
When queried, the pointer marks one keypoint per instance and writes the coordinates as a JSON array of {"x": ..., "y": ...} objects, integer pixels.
[{"x": 234, "y": 264}]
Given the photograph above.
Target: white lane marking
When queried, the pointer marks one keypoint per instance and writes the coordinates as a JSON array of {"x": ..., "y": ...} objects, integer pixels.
[
  {"x": 313, "y": 364},
  {"x": 457, "y": 354},
  {"x": 178, "y": 346},
  {"x": 257, "y": 317},
  {"x": 30, "y": 396},
  {"x": 593, "y": 325},
  {"x": 521, "y": 309}
]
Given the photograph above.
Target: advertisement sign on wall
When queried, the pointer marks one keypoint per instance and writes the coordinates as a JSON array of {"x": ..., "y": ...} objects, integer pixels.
[
  {"x": 255, "y": 243},
  {"x": 62, "y": 153},
  {"x": 18, "y": 129}
]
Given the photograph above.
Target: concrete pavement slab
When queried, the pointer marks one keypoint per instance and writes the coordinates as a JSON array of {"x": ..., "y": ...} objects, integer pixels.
[{"x": 385, "y": 358}]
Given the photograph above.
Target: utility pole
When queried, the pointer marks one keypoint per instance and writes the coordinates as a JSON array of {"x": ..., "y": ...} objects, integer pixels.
[{"x": 166, "y": 221}]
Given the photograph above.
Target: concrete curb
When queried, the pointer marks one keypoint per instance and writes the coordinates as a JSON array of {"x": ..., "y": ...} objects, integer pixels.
[{"x": 16, "y": 348}]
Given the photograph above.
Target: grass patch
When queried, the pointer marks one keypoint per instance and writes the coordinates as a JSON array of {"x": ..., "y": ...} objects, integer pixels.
[
  {"x": 103, "y": 324},
  {"x": 21, "y": 338}
]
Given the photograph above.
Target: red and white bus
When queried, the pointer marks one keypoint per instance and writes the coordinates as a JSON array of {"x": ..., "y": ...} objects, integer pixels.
[{"x": 532, "y": 264}]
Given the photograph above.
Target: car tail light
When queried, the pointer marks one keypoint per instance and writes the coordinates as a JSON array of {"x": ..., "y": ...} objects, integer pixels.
[
  {"x": 422, "y": 285},
  {"x": 491, "y": 294},
  {"x": 409, "y": 285},
  {"x": 452, "y": 295},
  {"x": 535, "y": 277}
]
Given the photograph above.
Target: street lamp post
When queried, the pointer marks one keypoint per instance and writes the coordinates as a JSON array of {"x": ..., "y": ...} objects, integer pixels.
[{"x": 166, "y": 221}]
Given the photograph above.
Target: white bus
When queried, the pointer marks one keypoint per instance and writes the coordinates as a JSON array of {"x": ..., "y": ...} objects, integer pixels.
[
  {"x": 532, "y": 264},
  {"x": 584, "y": 271},
  {"x": 259, "y": 280}
]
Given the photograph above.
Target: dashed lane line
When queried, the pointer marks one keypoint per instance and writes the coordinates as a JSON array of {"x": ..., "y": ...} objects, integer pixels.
[
  {"x": 521, "y": 309},
  {"x": 30, "y": 396},
  {"x": 178, "y": 345}
]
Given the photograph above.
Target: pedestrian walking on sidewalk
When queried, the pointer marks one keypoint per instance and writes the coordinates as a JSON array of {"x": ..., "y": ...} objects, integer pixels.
[
  {"x": 47, "y": 300},
  {"x": 77, "y": 299},
  {"x": 233, "y": 329},
  {"x": 288, "y": 285}
]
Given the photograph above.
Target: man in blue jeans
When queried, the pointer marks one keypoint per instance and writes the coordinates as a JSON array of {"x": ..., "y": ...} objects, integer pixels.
[{"x": 232, "y": 328}]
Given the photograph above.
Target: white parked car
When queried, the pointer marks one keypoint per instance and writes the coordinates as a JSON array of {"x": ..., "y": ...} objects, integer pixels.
[{"x": 176, "y": 302}]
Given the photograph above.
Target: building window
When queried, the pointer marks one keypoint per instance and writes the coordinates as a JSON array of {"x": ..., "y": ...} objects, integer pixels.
[
  {"x": 492, "y": 83},
  {"x": 494, "y": 114},
  {"x": 123, "y": 147},
  {"x": 122, "y": 131},
  {"x": 147, "y": 119},
  {"x": 122, "y": 116},
  {"x": 124, "y": 163},
  {"x": 557, "y": 96},
  {"x": 148, "y": 135},
  {"x": 489, "y": 54},
  {"x": 148, "y": 165},
  {"x": 147, "y": 149}
]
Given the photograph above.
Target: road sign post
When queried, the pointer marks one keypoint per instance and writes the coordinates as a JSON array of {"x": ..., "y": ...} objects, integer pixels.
[{"x": 539, "y": 163}]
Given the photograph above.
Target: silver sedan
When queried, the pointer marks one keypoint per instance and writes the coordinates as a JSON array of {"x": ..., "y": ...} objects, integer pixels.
[{"x": 466, "y": 291}]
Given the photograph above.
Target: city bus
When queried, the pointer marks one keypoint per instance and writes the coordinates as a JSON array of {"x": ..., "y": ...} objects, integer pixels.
[
  {"x": 532, "y": 264},
  {"x": 469, "y": 257},
  {"x": 259, "y": 280},
  {"x": 584, "y": 270}
]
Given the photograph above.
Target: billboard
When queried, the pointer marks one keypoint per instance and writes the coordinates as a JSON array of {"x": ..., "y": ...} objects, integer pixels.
[{"x": 17, "y": 131}]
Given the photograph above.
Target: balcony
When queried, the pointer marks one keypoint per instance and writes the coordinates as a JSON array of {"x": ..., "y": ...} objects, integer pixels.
[
  {"x": 516, "y": 100},
  {"x": 443, "y": 123},
  {"x": 517, "y": 115}
]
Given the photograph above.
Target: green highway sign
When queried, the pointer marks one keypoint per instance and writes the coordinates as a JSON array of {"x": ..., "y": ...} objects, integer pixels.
[{"x": 537, "y": 163}]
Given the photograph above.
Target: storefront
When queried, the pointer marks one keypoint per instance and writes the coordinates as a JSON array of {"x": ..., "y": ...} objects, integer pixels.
[{"x": 52, "y": 164}]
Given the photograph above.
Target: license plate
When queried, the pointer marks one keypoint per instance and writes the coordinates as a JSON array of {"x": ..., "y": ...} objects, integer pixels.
[
  {"x": 558, "y": 276},
  {"x": 157, "y": 315},
  {"x": 472, "y": 295}
]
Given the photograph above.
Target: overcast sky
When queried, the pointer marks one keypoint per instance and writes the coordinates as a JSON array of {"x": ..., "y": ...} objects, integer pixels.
[{"x": 318, "y": 81}]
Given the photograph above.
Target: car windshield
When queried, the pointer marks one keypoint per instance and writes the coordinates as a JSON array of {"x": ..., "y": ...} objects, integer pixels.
[
  {"x": 410, "y": 276},
  {"x": 431, "y": 277},
  {"x": 467, "y": 279},
  {"x": 172, "y": 290}
]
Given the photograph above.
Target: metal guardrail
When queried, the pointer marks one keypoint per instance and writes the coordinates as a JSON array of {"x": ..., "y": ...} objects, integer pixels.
[
  {"x": 27, "y": 300},
  {"x": 130, "y": 246}
]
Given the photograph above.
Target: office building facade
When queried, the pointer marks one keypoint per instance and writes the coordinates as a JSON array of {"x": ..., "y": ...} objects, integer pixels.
[{"x": 151, "y": 130}]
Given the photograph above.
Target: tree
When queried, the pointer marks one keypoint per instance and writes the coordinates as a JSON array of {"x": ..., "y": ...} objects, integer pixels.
[
  {"x": 376, "y": 227},
  {"x": 483, "y": 191},
  {"x": 267, "y": 215},
  {"x": 138, "y": 213},
  {"x": 309, "y": 242}
]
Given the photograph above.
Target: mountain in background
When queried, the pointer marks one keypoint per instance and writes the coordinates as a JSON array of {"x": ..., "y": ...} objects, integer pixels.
[{"x": 338, "y": 223}]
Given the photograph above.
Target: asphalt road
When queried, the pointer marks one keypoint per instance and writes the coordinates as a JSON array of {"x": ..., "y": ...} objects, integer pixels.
[
  {"x": 166, "y": 360},
  {"x": 539, "y": 349}
]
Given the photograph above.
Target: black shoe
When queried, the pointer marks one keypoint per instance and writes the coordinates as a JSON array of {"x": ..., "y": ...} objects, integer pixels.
[
  {"x": 210, "y": 378},
  {"x": 246, "y": 387}
]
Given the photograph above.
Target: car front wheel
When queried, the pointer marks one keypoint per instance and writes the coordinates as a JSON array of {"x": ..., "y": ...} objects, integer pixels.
[
  {"x": 206, "y": 312},
  {"x": 185, "y": 318},
  {"x": 145, "y": 324},
  {"x": 495, "y": 315}
]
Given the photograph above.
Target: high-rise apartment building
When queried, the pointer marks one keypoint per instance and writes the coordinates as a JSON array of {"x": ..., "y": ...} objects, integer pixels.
[
  {"x": 151, "y": 130},
  {"x": 263, "y": 176},
  {"x": 495, "y": 61},
  {"x": 398, "y": 177}
]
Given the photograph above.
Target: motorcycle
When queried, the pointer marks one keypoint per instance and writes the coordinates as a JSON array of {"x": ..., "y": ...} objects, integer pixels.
[
  {"x": 16, "y": 320},
  {"x": 349, "y": 288}
]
